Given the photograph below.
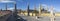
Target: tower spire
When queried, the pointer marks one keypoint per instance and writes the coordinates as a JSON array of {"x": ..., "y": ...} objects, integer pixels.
[{"x": 40, "y": 7}]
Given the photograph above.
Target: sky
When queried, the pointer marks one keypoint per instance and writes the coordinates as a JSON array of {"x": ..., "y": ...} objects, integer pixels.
[{"x": 23, "y": 4}]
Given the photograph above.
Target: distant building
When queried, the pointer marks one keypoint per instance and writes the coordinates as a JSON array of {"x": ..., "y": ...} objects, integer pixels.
[{"x": 4, "y": 12}]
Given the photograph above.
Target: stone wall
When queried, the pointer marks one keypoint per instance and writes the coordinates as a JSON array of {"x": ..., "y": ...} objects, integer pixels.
[{"x": 43, "y": 14}]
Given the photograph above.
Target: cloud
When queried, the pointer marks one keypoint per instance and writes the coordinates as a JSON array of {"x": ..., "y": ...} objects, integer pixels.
[
  {"x": 44, "y": 5},
  {"x": 20, "y": 0},
  {"x": 10, "y": 8},
  {"x": 6, "y": 1}
]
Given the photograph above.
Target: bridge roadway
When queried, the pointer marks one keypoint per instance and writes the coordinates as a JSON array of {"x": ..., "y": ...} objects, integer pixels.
[{"x": 26, "y": 18}]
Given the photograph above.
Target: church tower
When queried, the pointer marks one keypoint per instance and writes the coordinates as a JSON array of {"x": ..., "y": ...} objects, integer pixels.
[{"x": 40, "y": 8}]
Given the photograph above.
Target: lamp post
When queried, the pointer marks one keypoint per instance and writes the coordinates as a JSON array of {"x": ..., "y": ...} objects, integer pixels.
[
  {"x": 35, "y": 10},
  {"x": 28, "y": 11},
  {"x": 15, "y": 9},
  {"x": 6, "y": 6}
]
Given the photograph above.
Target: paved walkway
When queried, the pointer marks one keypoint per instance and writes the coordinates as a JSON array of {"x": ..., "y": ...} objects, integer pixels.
[
  {"x": 31, "y": 18},
  {"x": 3, "y": 18}
]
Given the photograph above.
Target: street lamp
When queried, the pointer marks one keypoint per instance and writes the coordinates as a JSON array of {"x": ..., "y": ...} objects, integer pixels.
[
  {"x": 15, "y": 9},
  {"x": 6, "y": 6},
  {"x": 28, "y": 11},
  {"x": 15, "y": 6}
]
